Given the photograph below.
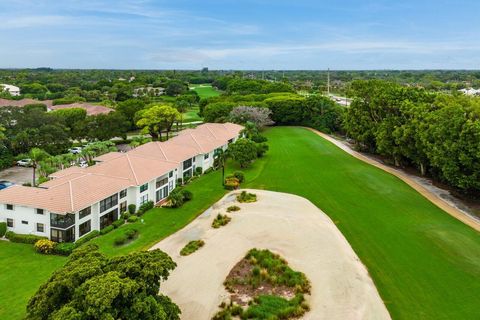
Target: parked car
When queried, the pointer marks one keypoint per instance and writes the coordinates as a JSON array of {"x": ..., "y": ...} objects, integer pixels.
[
  {"x": 5, "y": 184},
  {"x": 83, "y": 164},
  {"x": 24, "y": 162},
  {"x": 75, "y": 150}
]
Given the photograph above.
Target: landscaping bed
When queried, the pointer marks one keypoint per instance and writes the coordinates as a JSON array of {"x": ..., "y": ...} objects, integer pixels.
[{"x": 263, "y": 286}]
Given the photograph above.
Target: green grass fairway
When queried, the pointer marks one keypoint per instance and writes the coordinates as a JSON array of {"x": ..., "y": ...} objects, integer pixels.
[
  {"x": 205, "y": 90},
  {"x": 22, "y": 271},
  {"x": 426, "y": 264},
  {"x": 192, "y": 115}
]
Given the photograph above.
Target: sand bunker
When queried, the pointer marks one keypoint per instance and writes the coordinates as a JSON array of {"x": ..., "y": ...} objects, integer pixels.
[{"x": 288, "y": 225}]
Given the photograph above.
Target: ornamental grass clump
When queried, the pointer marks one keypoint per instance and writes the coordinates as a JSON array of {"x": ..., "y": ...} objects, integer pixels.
[
  {"x": 246, "y": 197},
  {"x": 220, "y": 220},
  {"x": 191, "y": 247}
]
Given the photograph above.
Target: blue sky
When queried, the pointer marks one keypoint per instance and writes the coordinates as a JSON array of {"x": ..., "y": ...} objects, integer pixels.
[{"x": 298, "y": 34}]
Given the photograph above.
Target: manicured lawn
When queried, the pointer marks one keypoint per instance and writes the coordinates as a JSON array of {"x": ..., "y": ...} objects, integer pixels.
[
  {"x": 192, "y": 115},
  {"x": 426, "y": 264},
  {"x": 22, "y": 271},
  {"x": 205, "y": 90}
]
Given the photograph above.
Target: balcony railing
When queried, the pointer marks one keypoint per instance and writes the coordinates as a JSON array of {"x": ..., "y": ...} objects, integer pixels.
[{"x": 62, "y": 221}]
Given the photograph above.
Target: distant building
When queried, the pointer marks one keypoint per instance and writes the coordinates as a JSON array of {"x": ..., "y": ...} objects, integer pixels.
[
  {"x": 14, "y": 91},
  {"x": 470, "y": 92}
]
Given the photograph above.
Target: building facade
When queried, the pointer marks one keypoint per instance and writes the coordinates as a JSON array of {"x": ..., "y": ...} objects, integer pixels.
[{"x": 78, "y": 200}]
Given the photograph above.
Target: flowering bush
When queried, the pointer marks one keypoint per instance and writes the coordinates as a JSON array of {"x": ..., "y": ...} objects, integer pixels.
[{"x": 44, "y": 246}]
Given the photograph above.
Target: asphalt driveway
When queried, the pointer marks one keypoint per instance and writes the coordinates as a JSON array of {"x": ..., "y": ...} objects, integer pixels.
[{"x": 17, "y": 175}]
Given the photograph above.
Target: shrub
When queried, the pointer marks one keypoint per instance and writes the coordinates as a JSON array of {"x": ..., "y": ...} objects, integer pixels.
[
  {"x": 178, "y": 197},
  {"x": 198, "y": 171},
  {"x": 220, "y": 220},
  {"x": 127, "y": 235},
  {"x": 119, "y": 240},
  {"x": 262, "y": 148},
  {"x": 87, "y": 237},
  {"x": 23, "y": 238},
  {"x": 64, "y": 248},
  {"x": 208, "y": 170},
  {"x": 246, "y": 197},
  {"x": 239, "y": 175},
  {"x": 3, "y": 229},
  {"x": 231, "y": 183},
  {"x": 44, "y": 246},
  {"x": 132, "y": 208},
  {"x": 191, "y": 247},
  {"x": 107, "y": 229},
  {"x": 118, "y": 223},
  {"x": 179, "y": 181},
  {"x": 132, "y": 219},
  {"x": 131, "y": 233},
  {"x": 145, "y": 207},
  {"x": 187, "y": 195},
  {"x": 126, "y": 215},
  {"x": 233, "y": 208},
  {"x": 258, "y": 138}
]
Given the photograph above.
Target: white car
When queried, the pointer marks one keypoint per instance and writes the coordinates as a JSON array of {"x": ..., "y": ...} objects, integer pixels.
[
  {"x": 75, "y": 150},
  {"x": 83, "y": 164},
  {"x": 24, "y": 162}
]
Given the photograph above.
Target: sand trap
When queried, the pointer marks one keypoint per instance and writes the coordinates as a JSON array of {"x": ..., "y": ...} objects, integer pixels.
[{"x": 288, "y": 225}]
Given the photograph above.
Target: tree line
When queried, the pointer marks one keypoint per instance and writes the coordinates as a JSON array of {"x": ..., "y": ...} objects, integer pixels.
[{"x": 437, "y": 133}]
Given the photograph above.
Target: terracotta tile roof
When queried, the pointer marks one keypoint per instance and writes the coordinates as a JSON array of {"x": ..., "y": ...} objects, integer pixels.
[
  {"x": 202, "y": 142},
  {"x": 108, "y": 156},
  {"x": 23, "y": 102},
  {"x": 137, "y": 169},
  {"x": 165, "y": 151},
  {"x": 67, "y": 195},
  {"x": 67, "y": 171},
  {"x": 220, "y": 131},
  {"x": 92, "y": 110}
]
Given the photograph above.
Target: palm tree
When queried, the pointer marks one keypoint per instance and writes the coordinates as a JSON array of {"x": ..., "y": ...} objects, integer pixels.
[
  {"x": 36, "y": 155},
  {"x": 220, "y": 157}
]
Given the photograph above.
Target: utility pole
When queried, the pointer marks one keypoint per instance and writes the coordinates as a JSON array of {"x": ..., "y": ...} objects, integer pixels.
[{"x": 328, "y": 81}]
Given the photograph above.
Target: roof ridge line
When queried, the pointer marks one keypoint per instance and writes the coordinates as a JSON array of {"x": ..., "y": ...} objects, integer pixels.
[
  {"x": 213, "y": 134},
  {"x": 71, "y": 194},
  {"x": 131, "y": 168},
  {"x": 161, "y": 149},
  {"x": 198, "y": 144}
]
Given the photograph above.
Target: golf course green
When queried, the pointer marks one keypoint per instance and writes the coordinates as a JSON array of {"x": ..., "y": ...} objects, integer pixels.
[{"x": 425, "y": 263}]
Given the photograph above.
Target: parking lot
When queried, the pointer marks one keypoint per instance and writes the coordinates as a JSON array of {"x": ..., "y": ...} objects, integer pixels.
[{"x": 17, "y": 175}]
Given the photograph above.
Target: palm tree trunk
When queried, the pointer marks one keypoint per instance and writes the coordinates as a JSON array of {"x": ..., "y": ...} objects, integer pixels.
[{"x": 34, "y": 166}]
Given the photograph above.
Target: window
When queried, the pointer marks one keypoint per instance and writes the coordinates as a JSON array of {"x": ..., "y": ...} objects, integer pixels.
[
  {"x": 108, "y": 203},
  {"x": 84, "y": 228},
  {"x": 62, "y": 221},
  {"x": 40, "y": 227},
  {"x": 161, "y": 182},
  {"x": 40, "y": 211},
  {"x": 85, "y": 212},
  {"x": 9, "y": 223},
  {"x": 123, "y": 207},
  {"x": 187, "y": 164},
  {"x": 143, "y": 187},
  {"x": 205, "y": 157},
  {"x": 123, "y": 193},
  {"x": 9, "y": 206},
  {"x": 143, "y": 199},
  {"x": 62, "y": 235},
  {"x": 108, "y": 218},
  {"x": 170, "y": 174},
  {"x": 24, "y": 222}
]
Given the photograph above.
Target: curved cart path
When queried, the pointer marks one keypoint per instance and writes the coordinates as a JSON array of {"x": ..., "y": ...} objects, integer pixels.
[
  {"x": 432, "y": 197},
  {"x": 288, "y": 225}
]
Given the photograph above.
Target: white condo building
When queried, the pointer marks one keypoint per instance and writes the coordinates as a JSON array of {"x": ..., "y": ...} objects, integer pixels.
[{"x": 78, "y": 200}]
